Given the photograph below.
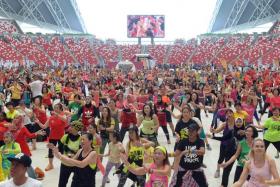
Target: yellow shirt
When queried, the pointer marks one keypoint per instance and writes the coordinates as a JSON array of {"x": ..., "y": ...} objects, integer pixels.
[
  {"x": 16, "y": 92},
  {"x": 58, "y": 87},
  {"x": 148, "y": 155},
  {"x": 242, "y": 114},
  {"x": 12, "y": 115}
]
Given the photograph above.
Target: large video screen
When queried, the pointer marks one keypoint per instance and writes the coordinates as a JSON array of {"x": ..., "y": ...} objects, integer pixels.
[{"x": 145, "y": 26}]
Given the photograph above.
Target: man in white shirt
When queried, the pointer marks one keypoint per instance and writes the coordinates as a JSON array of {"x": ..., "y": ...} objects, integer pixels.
[
  {"x": 25, "y": 112},
  {"x": 36, "y": 87},
  {"x": 19, "y": 166}
]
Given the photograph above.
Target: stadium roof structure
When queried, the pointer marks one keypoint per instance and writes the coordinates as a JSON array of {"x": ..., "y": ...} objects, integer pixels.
[
  {"x": 63, "y": 16},
  {"x": 232, "y": 15}
]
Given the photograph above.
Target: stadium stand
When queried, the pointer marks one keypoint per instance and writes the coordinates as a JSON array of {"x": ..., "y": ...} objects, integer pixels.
[
  {"x": 9, "y": 26},
  {"x": 30, "y": 50},
  {"x": 81, "y": 49},
  {"x": 128, "y": 51},
  {"x": 54, "y": 48},
  {"x": 237, "y": 49}
]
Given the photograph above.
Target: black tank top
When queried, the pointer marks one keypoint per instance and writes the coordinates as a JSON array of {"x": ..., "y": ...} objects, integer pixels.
[{"x": 84, "y": 177}]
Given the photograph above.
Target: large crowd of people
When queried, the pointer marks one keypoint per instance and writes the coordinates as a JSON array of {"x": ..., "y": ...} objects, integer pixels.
[{"x": 81, "y": 113}]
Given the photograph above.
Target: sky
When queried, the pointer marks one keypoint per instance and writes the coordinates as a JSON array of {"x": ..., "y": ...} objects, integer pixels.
[{"x": 183, "y": 18}]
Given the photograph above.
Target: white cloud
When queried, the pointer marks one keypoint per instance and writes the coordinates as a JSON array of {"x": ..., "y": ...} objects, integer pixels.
[{"x": 183, "y": 18}]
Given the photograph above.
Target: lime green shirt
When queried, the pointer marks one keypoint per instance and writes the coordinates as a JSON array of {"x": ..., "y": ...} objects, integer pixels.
[
  {"x": 148, "y": 126},
  {"x": 273, "y": 130},
  {"x": 72, "y": 145},
  {"x": 245, "y": 149}
]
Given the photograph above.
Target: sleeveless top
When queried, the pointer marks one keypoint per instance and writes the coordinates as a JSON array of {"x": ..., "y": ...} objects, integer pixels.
[
  {"x": 84, "y": 177},
  {"x": 156, "y": 180},
  {"x": 114, "y": 156},
  {"x": 135, "y": 156},
  {"x": 148, "y": 126},
  {"x": 263, "y": 171},
  {"x": 227, "y": 131}
]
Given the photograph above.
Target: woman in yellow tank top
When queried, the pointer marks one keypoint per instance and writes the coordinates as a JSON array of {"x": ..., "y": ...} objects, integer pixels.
[
  {"x": 135, "y": 154},
  {"x": 84, "y": 161},
  {"x": 149, "y": 122}
]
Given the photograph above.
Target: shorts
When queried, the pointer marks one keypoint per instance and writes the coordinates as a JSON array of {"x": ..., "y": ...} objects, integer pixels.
[{"x": 33, "y": 127}]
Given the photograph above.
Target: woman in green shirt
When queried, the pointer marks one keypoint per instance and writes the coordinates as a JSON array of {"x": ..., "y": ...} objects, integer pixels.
[
  {"x": 243, "y": 149},
  {"x": 74, "y": 107},
  {"x": 272, "y": 132}
]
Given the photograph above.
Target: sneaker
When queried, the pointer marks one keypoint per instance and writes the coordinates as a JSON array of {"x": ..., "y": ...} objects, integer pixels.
[
  {"x": 217, "y": 174},
  {"x": 39, "y": 173},
  {"x": 208, "y": 147}
]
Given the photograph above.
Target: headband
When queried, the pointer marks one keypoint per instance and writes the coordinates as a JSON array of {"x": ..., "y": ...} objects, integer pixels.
[{"x": 163, "y": 149}]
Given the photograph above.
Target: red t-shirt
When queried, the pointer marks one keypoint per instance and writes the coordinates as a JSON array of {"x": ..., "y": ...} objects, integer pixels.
[
  {"x": 67, "y": 90},
  {"x": 41, "y": 115},
  {"x": 46, "y": 100},
  {"x": 3, "y": 129},
  {"x": 142, "y": 99},
  {"x": 127, "y": 118},
  {"x": 275, "y": 101},
  {"x": 57, "y": 127},
  {"x": 21, "y": 137},
  {"x": 161, "y": 114},
  {"x": 112, "y": 93}
]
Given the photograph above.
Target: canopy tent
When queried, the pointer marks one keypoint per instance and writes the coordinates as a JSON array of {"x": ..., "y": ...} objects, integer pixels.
[{"x": 126, "y": 66}]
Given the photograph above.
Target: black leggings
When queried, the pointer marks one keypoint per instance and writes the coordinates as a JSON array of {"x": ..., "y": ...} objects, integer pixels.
[
  {"x": 122, "y": 132},
  {"x": 165, "y": 130},
  {"x": 139, "y": 179},
  {"x": 222, "y": 153},
  {"x": 226, "y": 152},
  {"x": 64, "y": 174},
  {"x": 54, "y": 142},
  {"x": 238, "y": 172},
  {"x": 275, "y": 144}
]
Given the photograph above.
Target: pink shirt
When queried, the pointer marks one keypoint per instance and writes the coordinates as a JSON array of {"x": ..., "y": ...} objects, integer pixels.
[
  {"x": 250, "y": 109},
  {"x": 255, "y": 172},
  {"x": 156, "y": 180}
]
